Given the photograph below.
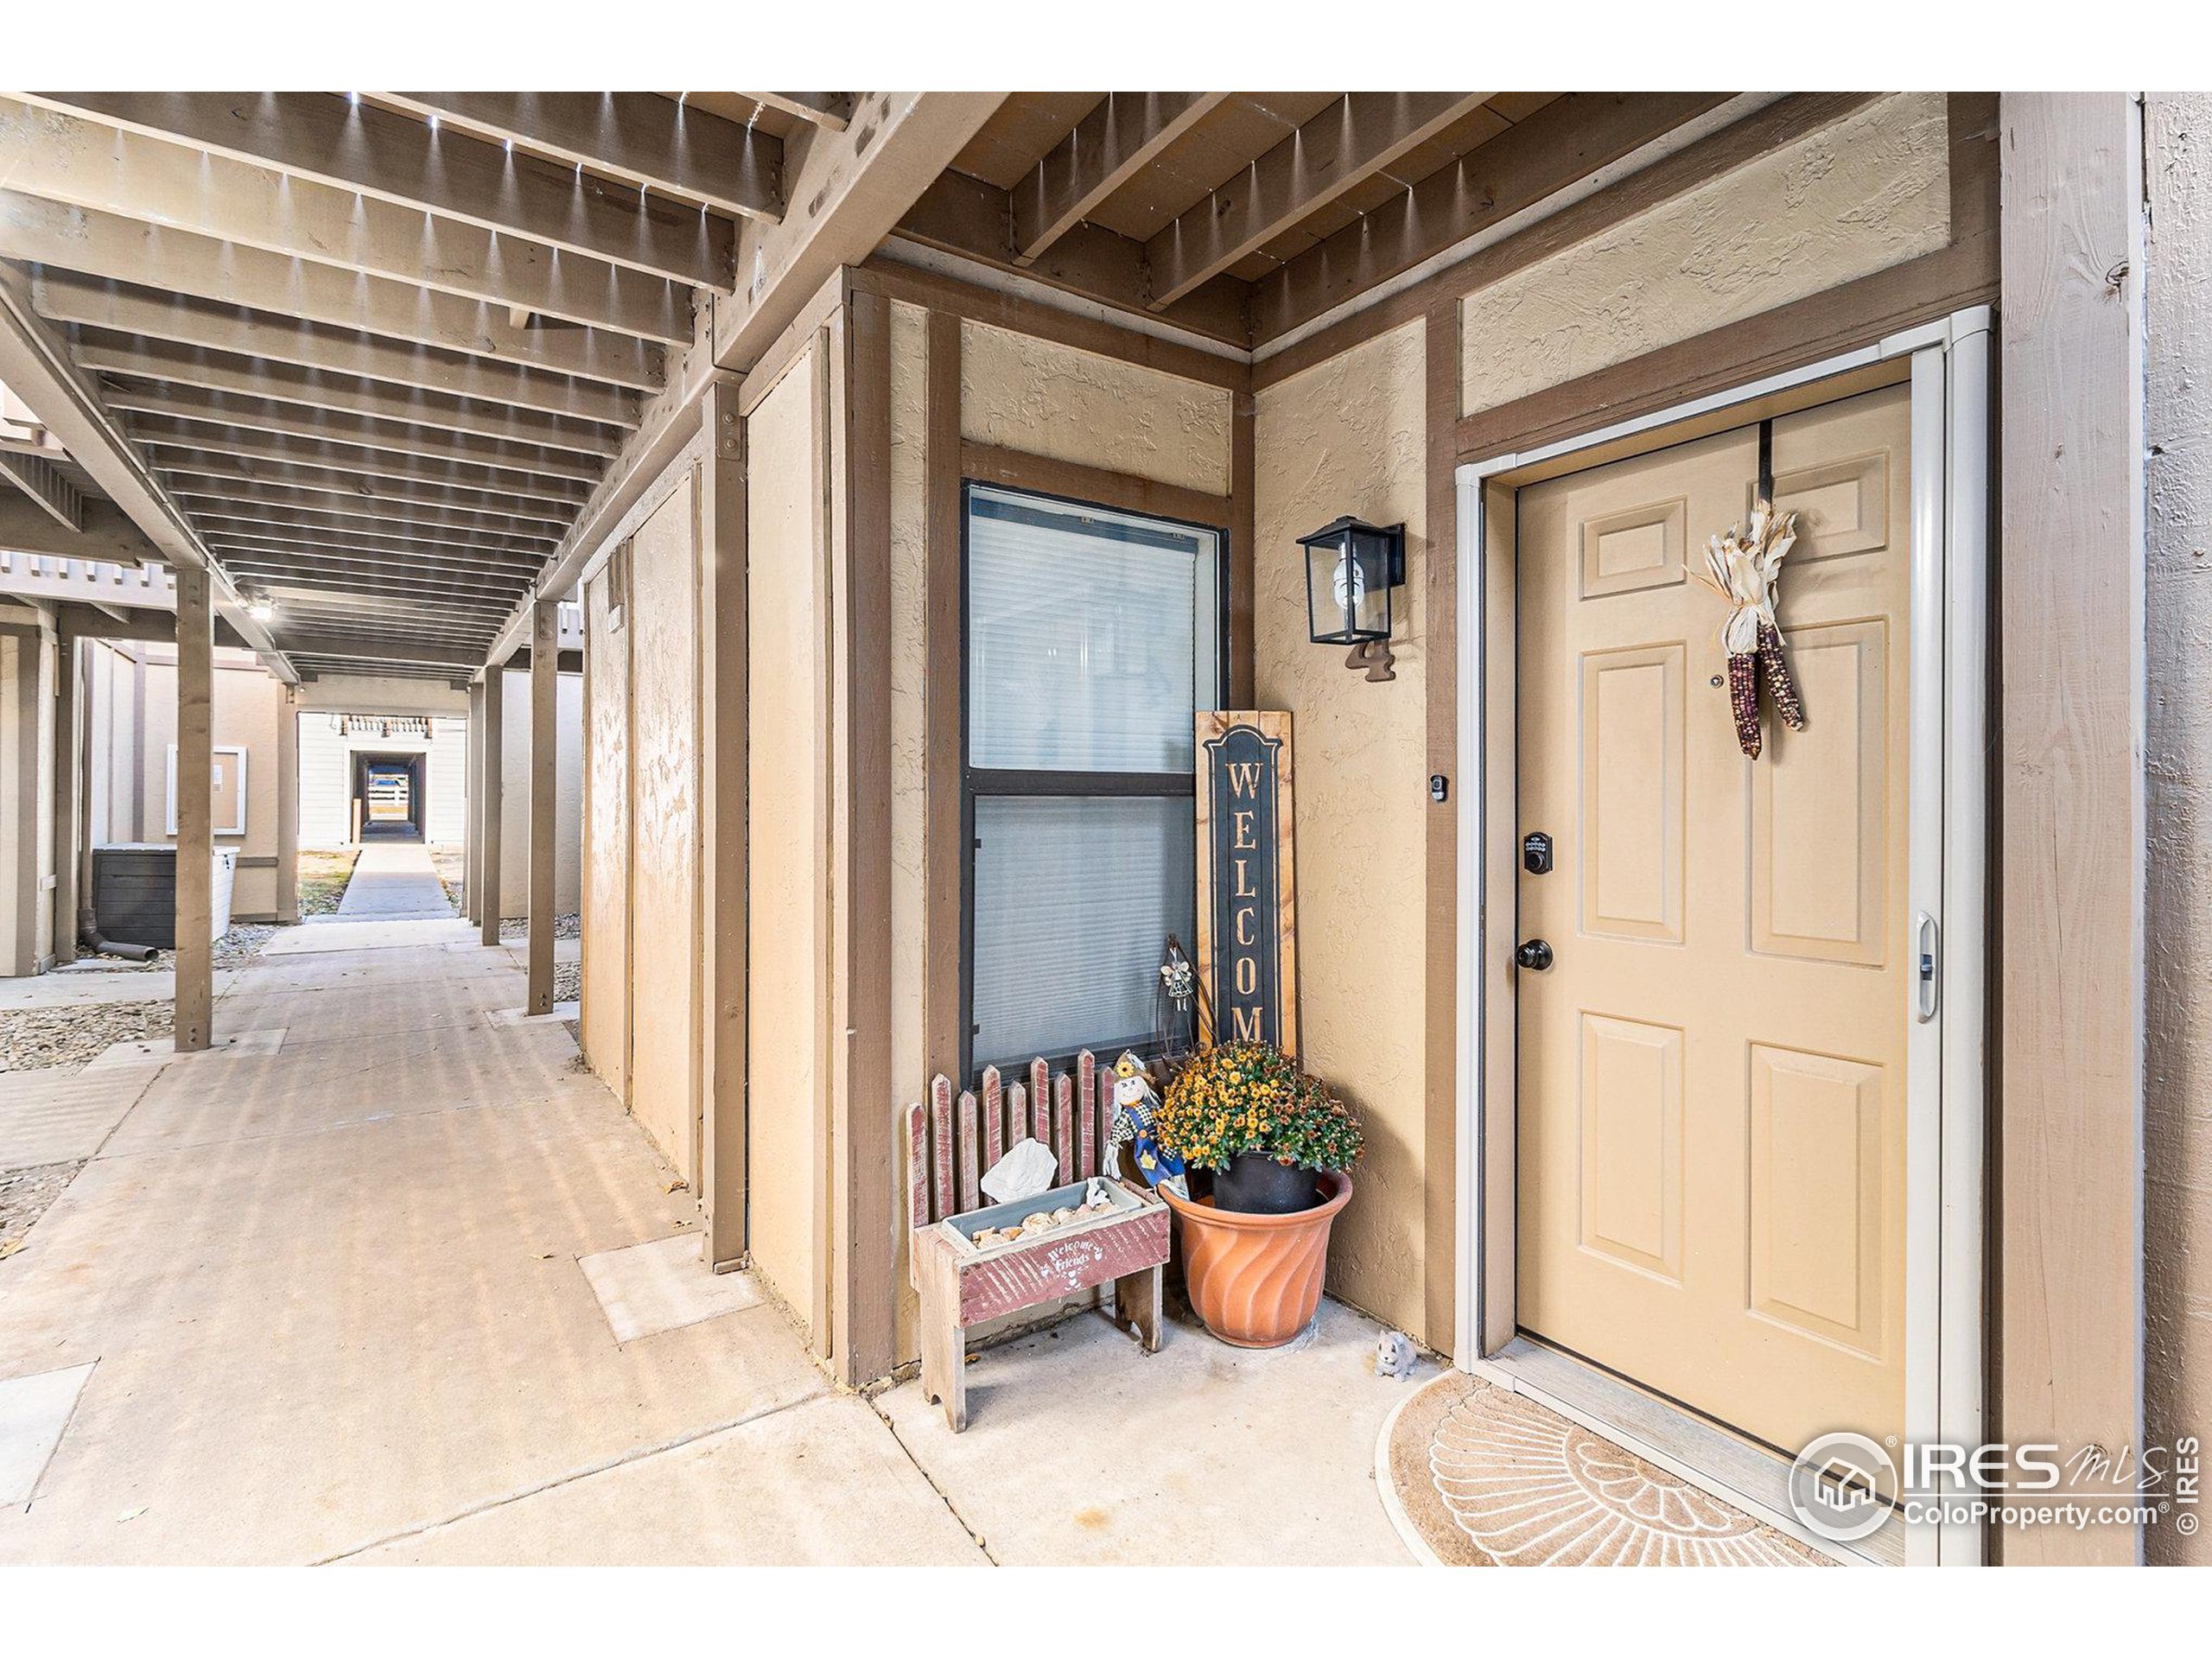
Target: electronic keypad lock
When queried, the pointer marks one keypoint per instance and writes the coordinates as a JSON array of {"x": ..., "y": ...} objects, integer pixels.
[{"x": 1536, "y": 852}]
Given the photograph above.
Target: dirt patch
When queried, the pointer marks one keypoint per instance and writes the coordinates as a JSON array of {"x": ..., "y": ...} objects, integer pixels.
[
  {"x": 39, "y": 1039},
  {"x": 324, "y": 872},
  {"x": 25, "y": 1195}
]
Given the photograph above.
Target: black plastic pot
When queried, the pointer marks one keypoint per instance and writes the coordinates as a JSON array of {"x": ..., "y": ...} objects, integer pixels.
[{"x": 1256, "y": 1185}]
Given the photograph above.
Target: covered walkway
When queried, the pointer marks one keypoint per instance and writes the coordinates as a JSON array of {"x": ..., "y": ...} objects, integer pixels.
[{"x": 387, "y": 1275}]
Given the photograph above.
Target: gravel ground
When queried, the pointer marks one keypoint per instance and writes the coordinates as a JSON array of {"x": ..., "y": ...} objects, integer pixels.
[
  {"x": 234, "y": 950},
  {"x": 24, "y": 1196},
  {"x": 33, "y": 1039},
  {"x": 567, "y": 982},
  {"x": 570, "y": 926}
]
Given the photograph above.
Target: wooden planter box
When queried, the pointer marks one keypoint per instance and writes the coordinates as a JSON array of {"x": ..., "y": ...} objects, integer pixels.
[{"x": 963, "y": 1284}]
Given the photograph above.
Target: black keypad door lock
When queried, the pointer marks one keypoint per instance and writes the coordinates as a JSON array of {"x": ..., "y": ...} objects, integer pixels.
[
  {"x": 1536, "y": 854},
  {"x": 1534, "y": 954}
]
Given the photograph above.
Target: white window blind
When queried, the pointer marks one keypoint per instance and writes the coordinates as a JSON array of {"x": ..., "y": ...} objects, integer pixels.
[
  {"x": 1093, "y": 636},
  {"x": 1074, "y": 896},
  {"x": 1090, "y": 636}
]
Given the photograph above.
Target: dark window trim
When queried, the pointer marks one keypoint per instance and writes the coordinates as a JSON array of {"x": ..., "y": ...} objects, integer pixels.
[{"x": 975, "y": 781}]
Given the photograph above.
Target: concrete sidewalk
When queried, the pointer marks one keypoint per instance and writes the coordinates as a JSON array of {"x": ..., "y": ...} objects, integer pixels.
[
  {"x": 394, "y": 880},
  {"x": 333, "y": 1302}
]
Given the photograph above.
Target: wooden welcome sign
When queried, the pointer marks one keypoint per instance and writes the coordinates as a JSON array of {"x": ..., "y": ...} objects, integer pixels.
[{"x": 1247, "y": 931}]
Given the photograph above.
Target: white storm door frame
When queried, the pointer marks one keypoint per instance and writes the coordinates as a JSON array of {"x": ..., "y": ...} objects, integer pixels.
[{"x": 1948, "y": 367}]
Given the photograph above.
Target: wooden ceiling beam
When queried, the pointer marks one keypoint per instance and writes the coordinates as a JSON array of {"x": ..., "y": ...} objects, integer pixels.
[
  {"x": 266, "y": 542},
  {"x": 277, "y": 503},
  {"x": 1117, "y": 140},
  {"x": 106, "y": 532},
  {"x": 352, "y": 648},
  {"x": 652, "y": 141},
  {"x": 348, "y": 145},
  {"x": 969, "y": 217},
  {"x": 1346, "y": 144},
  {"x": 94, "y": 244},
  {"x": 347, "y": 457},
  {"x": 832, "y": 112},
  {"x": 379, "y": 587},
  {"x": 162, "y": 185},
  {"x": 218, "y": 408},
  {"x": 124, "y": 308},
  {"x": 351, "y": 492},
  {"x": 228, "y": 519},
  {"x": 34, "y": 366},
  {"x": 284, "y": 383},
  {"x": 47, "y": 488},
  {"x": 1551, "y": 151}
]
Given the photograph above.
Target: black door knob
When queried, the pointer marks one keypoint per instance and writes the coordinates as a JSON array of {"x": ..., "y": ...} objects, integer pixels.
[{"x": 1533, "y": 954}]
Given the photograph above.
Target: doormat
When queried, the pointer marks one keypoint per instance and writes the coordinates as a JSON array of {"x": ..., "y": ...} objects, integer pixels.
[{"x": 1485, "y": 1478}]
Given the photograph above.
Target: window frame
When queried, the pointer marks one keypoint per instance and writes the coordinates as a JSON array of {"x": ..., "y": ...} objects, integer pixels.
[{"x": 1003, "y": 782}]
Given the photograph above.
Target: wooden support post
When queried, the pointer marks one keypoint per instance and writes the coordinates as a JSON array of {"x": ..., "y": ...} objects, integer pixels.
[
  {"x": 68, "y": 791},
  {"x": 288, "y": 805},
  {"x": 472, "y": 831},
  {"x": 196, "y": 839},
  {"x": 2069, "y": 1104},
  {"x": 723, "y": 872},
  {"x": 861, "y": 1138},
  {"x": 544, "y": 775},
  {"x": 491, "y": 766}
]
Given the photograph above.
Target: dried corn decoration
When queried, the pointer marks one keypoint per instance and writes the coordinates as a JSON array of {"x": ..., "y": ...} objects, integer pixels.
[{"x": 1742, "y": 564}]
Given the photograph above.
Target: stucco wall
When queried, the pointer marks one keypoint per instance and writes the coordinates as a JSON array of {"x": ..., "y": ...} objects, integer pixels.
[
  {"x": 787, "y": 613},
  {"x": 249, "y": 711},
  {"x": 664, "y": 809},
  {"x": 1047, "y": 399},
  {"x": 29, "y": 661},
  {"x": 606, "y": 896},
  {"x": 2177, "y": 1049},
  {"x": 1869, "y": 193},
  {"x": 1348, "y": 436}
]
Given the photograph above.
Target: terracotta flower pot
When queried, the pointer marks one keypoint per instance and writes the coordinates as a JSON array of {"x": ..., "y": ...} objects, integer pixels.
[{"x": 1257, "y": 1279}]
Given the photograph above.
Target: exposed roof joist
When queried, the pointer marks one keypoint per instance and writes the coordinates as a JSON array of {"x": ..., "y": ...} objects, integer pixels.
[
  {"x": 256, "y": 414},
  {"x": 1120, "y": 138},
  {"x": 832, "y": 111},
  {"x": 95, "y": 244},
  {"x": 106, "y": 532},
  {"x": 353, "y": 146},
  {"x": 353, "y": 493},
  {"x": 347, "y": 457},
  {"x": 1358, "y": 136},
  {"x": 249, "y": 499},
  {"x": 47, "y": 488},
  {"x": 153, "y": 183},
  {"x": 190, "y": 365},
  {"x": 653, "y": 142}
]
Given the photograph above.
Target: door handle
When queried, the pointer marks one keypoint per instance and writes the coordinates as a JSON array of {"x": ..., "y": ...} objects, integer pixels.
[
  {"x": 1533, "y": 954},
  {"x": 1927, "y": 967}
]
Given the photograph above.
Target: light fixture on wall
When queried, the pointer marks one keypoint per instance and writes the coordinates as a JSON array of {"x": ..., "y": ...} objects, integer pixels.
[{"x": 1350, "y": 568}]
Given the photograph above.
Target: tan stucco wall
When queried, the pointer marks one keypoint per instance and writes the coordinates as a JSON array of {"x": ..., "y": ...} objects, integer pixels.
[
  {"x": 604, "y": 1021},
  {"x": 2177, "y": 1048},
  {"x": 665, "y": 806},
  {"x": 249, "y": 710},
  {"x": 1869, "y": 193},
  {"x": 568, "y": 794},
  {"x": 1348, "y": 436},
  {"x": 29, "y": 663},
  {"x": 1043, "y": 398},
  {"x": 787, "y": 613}
]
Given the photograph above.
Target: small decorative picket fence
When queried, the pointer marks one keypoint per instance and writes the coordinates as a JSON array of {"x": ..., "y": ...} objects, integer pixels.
[{"x": 959, "y": 1138}]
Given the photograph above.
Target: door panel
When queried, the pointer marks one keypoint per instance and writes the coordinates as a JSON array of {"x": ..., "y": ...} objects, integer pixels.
[{"x": 1712, "y": 1073}]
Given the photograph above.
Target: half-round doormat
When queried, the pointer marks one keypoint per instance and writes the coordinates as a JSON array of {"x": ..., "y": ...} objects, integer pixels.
[{"x": 1481, "y": 1476}]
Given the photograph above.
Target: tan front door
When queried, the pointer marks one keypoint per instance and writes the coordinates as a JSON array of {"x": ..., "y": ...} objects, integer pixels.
[{"x": 1711, "y": 1107}]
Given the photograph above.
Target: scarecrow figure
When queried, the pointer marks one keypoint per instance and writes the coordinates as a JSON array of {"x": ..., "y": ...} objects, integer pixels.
[
  {"x": 1135, "y": 1103},
  {"x": 1744, "y": 565}
]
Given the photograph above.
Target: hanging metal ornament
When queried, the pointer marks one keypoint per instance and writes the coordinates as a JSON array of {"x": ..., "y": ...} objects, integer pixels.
[
  {"x": 1742, "y": 564},
  {"x": 1180, "y": 1020}
]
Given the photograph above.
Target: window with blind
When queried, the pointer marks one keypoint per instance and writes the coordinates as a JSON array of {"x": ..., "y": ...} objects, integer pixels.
[{"x": 1093, "y": 636}]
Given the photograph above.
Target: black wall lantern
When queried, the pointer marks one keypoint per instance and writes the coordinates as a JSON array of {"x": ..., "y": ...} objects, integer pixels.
[{"x": 1350, "y": 568}]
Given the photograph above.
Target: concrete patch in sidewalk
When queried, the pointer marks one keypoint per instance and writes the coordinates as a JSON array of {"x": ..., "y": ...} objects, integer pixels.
[
  {"x": 644, "y": 1289},
  {"x": 163, "y": 1051},
  {"x": 34, "y": 1410}
]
